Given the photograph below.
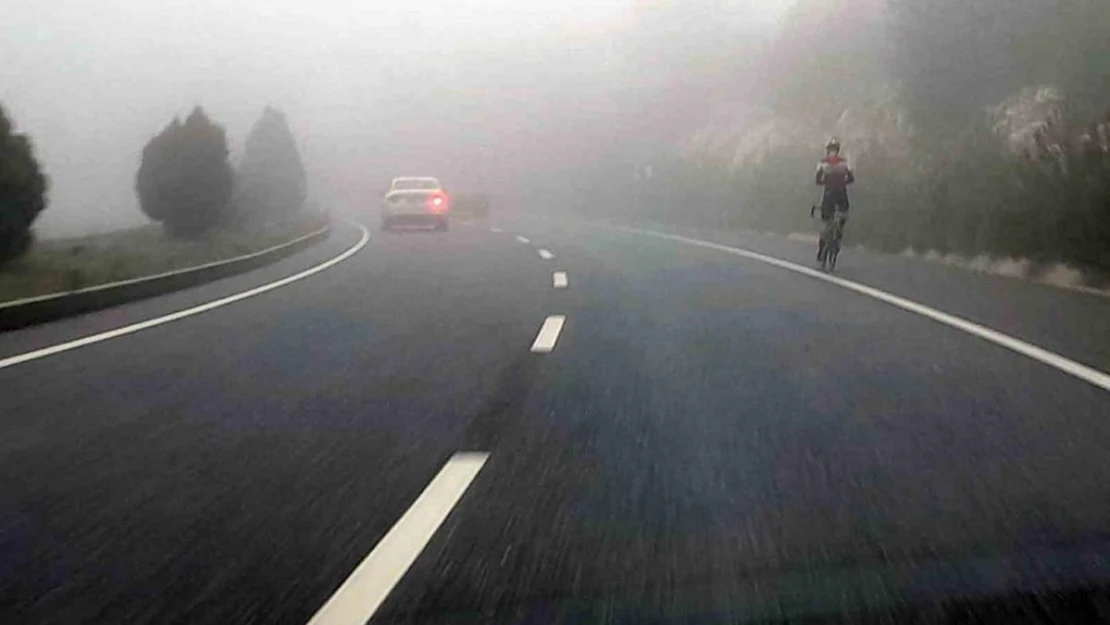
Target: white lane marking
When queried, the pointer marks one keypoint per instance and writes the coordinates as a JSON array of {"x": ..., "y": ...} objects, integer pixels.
[
  {"x": 11, "y": 361},
  {"x": 360, "y": 596},
  {"x": 1081, "y": 371},
  {"x": 559, "y": 279},
  {"x": 495, "y": 229},
  {"x": 546, "y": 255},
  {"x": 549, "y": 334},
  {"x": 803, "y": 237},
  {"x": 523, "y": 240}
]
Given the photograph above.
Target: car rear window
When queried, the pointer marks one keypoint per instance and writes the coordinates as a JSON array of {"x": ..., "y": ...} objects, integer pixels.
[{"x": 424, "y": 183}]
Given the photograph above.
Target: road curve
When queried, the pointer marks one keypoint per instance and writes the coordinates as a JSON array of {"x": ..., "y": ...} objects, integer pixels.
[{"x": 550, "y": 422}]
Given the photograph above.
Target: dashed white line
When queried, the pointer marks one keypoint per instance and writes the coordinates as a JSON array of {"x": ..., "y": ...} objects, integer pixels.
[
  {"x": 546, "y": 255},
  {"x": 360, "y": 596},
  {"x": 495, "y": 229},
  {"x": 549, "y": 334},
  {"x": 523, "y": 240},
  {"x": 11, "y": 361},
  {"x": 559, "y": 279},
  {"x": 1078, "y": 370}
]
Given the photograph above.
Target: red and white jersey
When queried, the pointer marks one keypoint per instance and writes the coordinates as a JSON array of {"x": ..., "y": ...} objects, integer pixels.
[{"x": 834, "y": 172}]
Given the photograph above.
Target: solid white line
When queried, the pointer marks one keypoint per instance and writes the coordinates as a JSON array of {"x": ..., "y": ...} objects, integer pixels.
[
  {"x": 522, "y": 239},
  {"x": 559, "y": 279},
  {"x": 11, "y": 361},
  {"x": 356, "y": 600},
  {"x": 549, "y": 334},
  {"x": 1081, "y": 371},
  {"x": 546, "y": 255},
  {"x": 803, "y": 237}
]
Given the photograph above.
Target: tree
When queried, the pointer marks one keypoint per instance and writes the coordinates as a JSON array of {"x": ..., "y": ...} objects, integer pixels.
[
  {"x": 185, "y": 180},
  {"x": 951, "y": 58},
  {"x": 22, "y": 190},
  {"x": 271, "y": 183},
  {"x": 827, "y": 58}
]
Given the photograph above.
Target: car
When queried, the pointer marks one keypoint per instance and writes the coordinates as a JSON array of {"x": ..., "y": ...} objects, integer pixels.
[{"x": 416, "y": 201}]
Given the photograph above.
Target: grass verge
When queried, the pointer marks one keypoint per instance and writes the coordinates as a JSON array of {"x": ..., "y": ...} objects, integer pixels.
[{"x": 59, "y": 265}]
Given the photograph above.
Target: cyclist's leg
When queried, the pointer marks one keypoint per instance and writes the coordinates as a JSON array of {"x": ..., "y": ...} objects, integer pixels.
[
  {"x": 841, "y": 213},
  {"x": 822, "y": 239},
  {"x": 828, "y": 210},
  {"x": 827, "y": 234}
]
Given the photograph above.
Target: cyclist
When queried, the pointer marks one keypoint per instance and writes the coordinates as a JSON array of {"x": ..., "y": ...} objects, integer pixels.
[{"x": 834, "y": 174}]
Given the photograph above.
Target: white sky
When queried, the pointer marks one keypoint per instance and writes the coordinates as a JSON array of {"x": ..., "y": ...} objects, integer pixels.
[{"x": 92, "y": 81}]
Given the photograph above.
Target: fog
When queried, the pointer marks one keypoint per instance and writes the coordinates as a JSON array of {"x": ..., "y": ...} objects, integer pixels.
[{"x": 494, "y": 94}]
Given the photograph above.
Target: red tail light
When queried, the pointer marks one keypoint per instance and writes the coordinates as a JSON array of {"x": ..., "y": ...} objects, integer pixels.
[{"x": 437, "y": 203}]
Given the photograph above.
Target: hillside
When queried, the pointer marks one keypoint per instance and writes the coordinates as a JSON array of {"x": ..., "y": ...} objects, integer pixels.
[{"x": 970, "y": 133}]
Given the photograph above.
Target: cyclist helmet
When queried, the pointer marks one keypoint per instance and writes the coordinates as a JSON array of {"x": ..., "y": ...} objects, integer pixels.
[{"x": 833, "y": 145}]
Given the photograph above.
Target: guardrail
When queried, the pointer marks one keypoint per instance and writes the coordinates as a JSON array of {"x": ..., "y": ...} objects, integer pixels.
[{"x": 34, "y": 310}]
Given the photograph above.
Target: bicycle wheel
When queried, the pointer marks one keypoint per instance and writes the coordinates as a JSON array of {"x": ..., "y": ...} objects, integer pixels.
[
  {"x": 837, "y": 235},
  {"x": 825, "y": 243}
]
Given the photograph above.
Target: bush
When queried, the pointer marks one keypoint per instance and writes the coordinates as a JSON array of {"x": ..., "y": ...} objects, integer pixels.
[
  {"x": 22, "y": 190},
  {"x": 185, "y": 180}
]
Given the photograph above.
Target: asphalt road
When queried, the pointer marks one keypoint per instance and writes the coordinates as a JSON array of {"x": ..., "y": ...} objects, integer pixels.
[{"x": 709, "y": 438}]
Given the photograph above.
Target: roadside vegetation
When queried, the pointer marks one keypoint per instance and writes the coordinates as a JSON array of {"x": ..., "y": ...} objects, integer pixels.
[
  {"x": 57, "y": 265},
  {"x": 271, "y": 184},
  {"x": 974, "y": 131},
  {"x": 185, "y": 179},
  {"x": 22, "y": 190},
  {"x": 202, "y": 208}
]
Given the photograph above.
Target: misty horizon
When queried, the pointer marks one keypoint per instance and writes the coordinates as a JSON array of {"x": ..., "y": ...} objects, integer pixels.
[{"x": 484, "y": 94}]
